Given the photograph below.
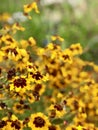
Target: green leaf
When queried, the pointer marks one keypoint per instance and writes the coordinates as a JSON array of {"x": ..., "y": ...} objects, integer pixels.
[{"x": 57, "y": 121}]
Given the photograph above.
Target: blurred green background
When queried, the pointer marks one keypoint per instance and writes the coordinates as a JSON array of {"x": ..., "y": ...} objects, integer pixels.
[{"x": 74, "y": 20}]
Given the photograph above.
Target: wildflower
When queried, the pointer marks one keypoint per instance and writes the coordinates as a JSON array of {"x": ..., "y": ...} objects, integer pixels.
[
  {"x": 56, "y": 37},
  {"x": 11, "y": 124},
  {"x": 66, "y": 56},
  {"x": 16, "y": 26},
  {"x": 37, "y": 77},
  {"x": 23, "y": 43},
  {"x": 39, "y": 121},
  {"x": 4, "y": 17},
  {"x": 20, "y": 107},
  {"x": 58, "y": 109},
  {"x": 31, "y": 41},
  {"x": 29, "y": 7},
  {"x": 40, "y": 88},
  {"x": 76, "y": 49},
  {"x": 8, "y": 39},
  {"x": 18, "y": 56},
  {"x": 5, "y": 30},
  {"x": 19, "y": 84},
  {"x": 33, "y": 96}
]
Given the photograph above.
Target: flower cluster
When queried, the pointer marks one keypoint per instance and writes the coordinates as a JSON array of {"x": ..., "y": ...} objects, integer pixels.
[{"x": 46, "y": 88}]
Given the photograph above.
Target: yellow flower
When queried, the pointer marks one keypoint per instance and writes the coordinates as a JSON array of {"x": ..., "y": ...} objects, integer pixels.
[
  {"x": 56, "y": 37},
  {"x": 8, "y": 39},
  {"x": 58, "y": 110},
  {"x": 16, "y": 26},
  {"x": 29, "y": 7},
  {"x": 19, "y": 84},
  {"x": 19, "y": 56},
  {"x": 23, "y": 43},
  {"x": 37, "y": 77},
  {"x": 75, "y": 127},
  {"x": 18, "y": 108},
  {"x": 31, "y": 41},
  {"x": 11, "y": 124},
  {"x": 31, "y": 97},
  {"x": 66, "y": 56},
  {"x": 76, "y": 49},
  {"x": 79, "y": 127},
  {"x": 1, "y": 56},
  {"x": 40, "y": 88},
  {"x": 4, "y": 17},
  {"x": 39, "y": 121}
]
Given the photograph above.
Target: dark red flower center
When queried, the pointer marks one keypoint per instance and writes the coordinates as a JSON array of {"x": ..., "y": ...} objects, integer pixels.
[
  {"x": 37, "y": 75},
  {"x": 21, "y": 82},
  {"x": 66, "y": 57},
  {"x": 12, "y": 51},
  {"x": 52, "y": 128},
  {"x": 58, "y": 107},
  {"x": 11, "y": 73},
  {"x": 38, "y": 87},
  {"x": 10, "y": 39},
  {"x": 39, "y": 122},
  {"x": 16, "y": 124},
  {"x": 2, "y": 124}
]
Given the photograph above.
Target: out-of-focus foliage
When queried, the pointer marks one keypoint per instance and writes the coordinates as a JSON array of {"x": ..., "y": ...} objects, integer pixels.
[{"x": 76, "y": 21}]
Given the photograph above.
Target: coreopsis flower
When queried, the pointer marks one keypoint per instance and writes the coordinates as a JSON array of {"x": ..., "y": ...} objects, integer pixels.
[
  {"x": 22, "y": 55},
  {"x": 39, "y": 121},
  {"x": 57, "y": 109},
  {"x": 4, "y": 17},
  {"x": 40, "y": 88},
  {"x": 56, "y": 37},
  {"x": 26, "y": 43},
  {"x": 29, "y": 7},
  {"x": 7, "y": 29},
  {"x": 31, "y": 41},
  {"x": 37, "y": 77},
  {"x": 10, "y": 52},
  {"x": 18, "y": 56},
  {"x": 16, "y": 27},
  {"x": 75, "y": 127},
  {"x": 11, "y": 124},
  {"x": 32, "y": 97},
  {"x": 66, "y": 56},
  {"x": 76, "y": 49},
  {"x": 23, "y": 43},
  {"x": 8, "y": 39},
  {"x": 19, "y": 84},
  {"x": 80, "y": 117},
  {"x": 20, "y": 107}
]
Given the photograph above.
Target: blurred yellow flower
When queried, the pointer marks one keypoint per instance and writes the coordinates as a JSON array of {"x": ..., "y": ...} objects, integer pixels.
[{"x": 29, "y": 7}]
